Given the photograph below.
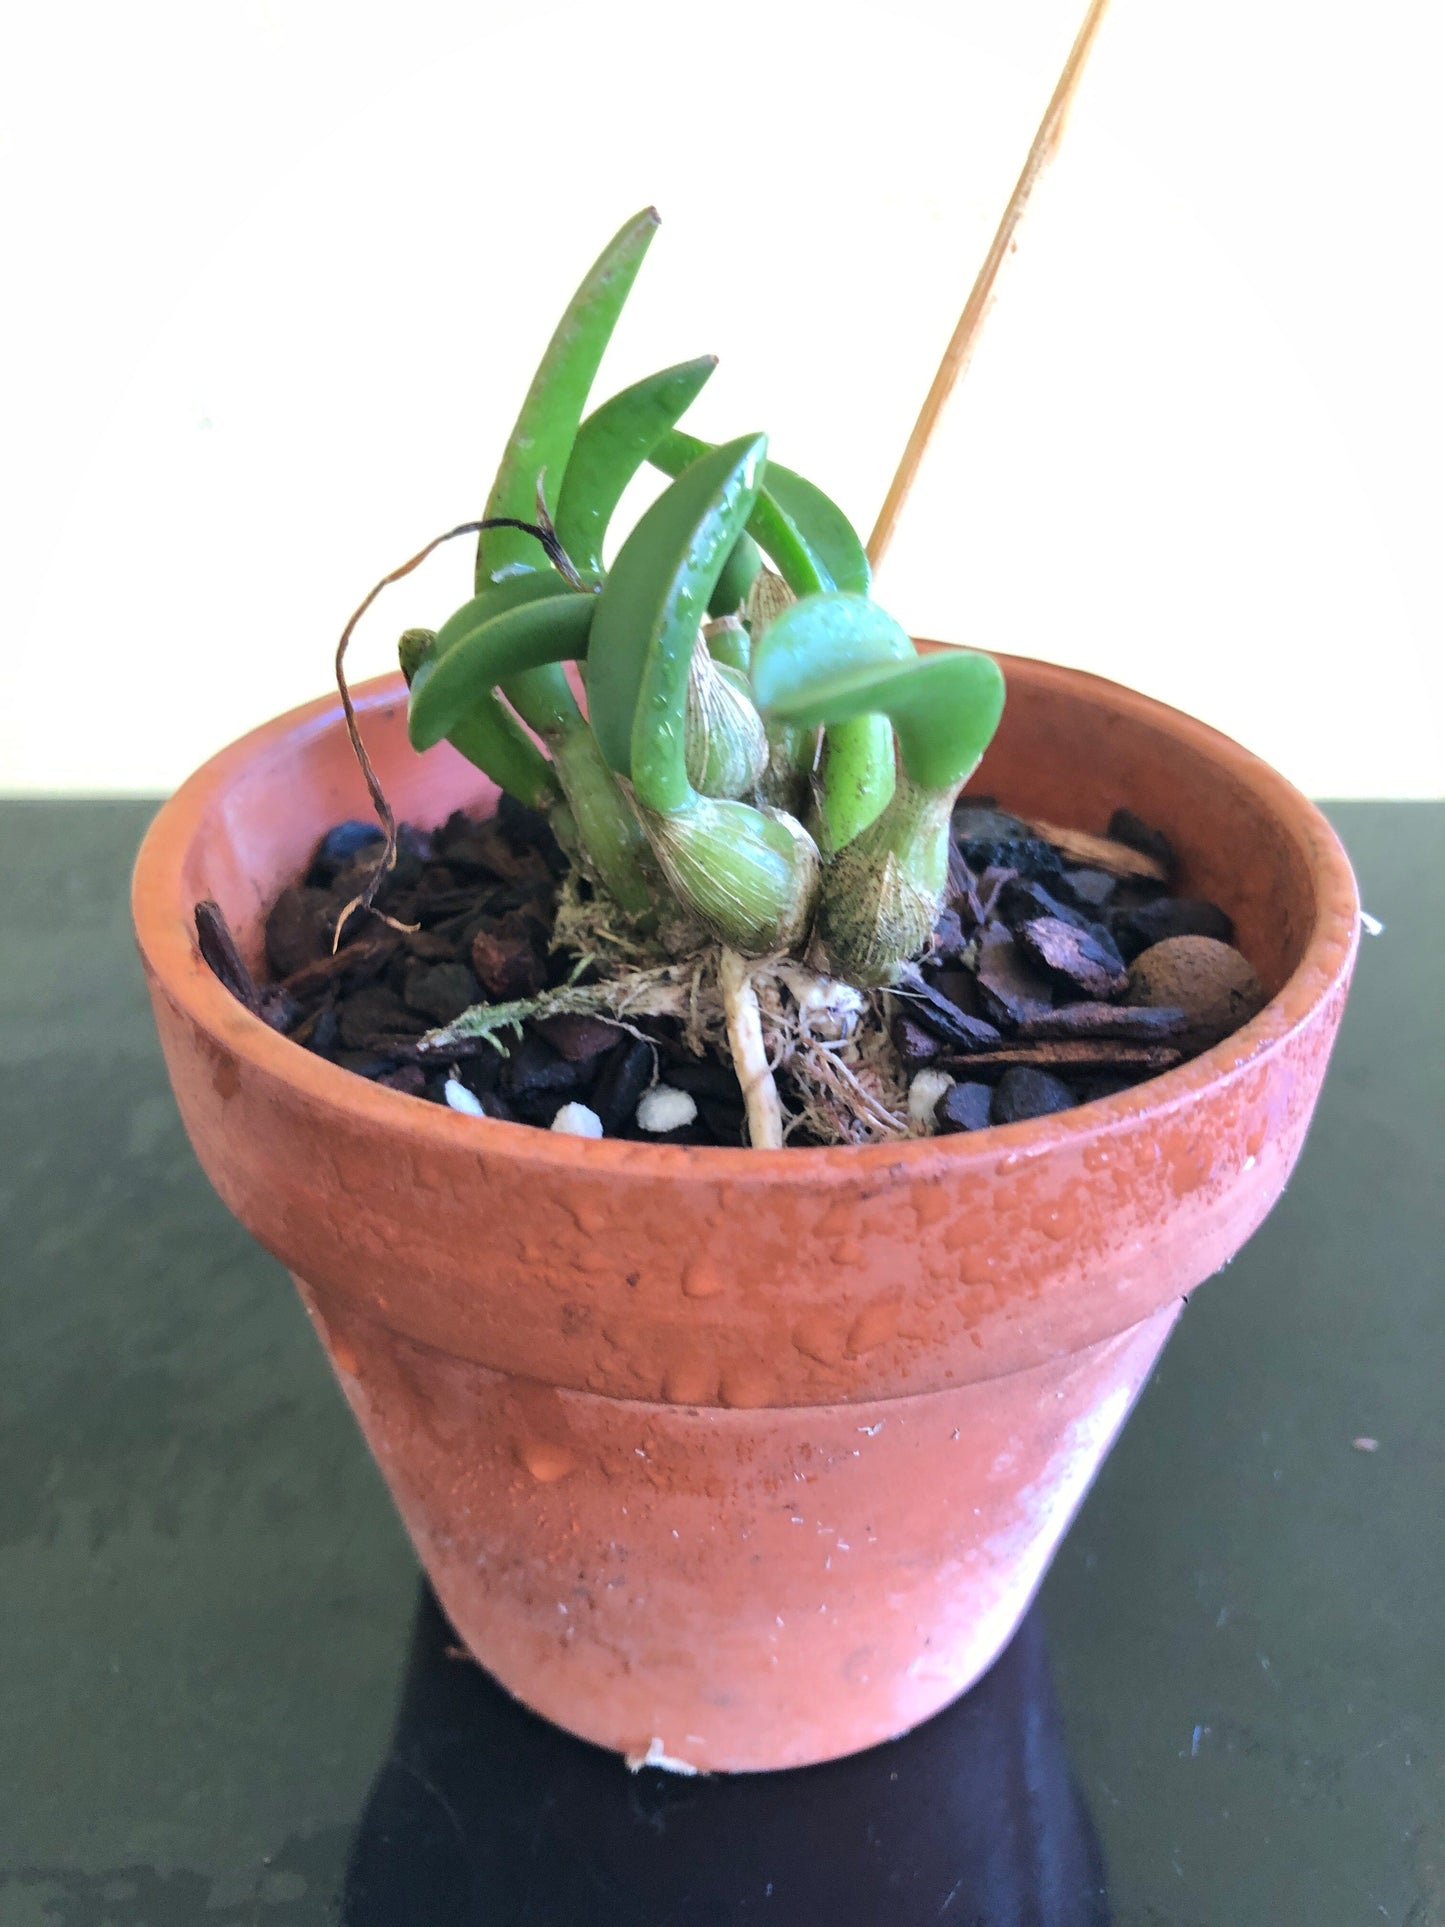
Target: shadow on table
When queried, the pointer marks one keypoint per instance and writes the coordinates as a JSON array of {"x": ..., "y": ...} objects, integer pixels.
[{"x": 483, "y": 1814}]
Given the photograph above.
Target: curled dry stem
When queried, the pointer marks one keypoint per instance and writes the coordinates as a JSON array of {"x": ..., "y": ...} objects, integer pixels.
[{"x": 547, "y": 536}]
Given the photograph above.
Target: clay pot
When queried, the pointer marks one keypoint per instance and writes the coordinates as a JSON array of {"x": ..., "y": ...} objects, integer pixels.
[{"x": 748, "y": 1459}]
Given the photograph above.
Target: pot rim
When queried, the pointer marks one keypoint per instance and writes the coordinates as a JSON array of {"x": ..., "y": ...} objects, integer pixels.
[{"x": 166, "y": 938}]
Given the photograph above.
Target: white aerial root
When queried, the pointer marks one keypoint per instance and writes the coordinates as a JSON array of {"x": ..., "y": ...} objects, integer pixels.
[{"x": 750, "y": 1057}]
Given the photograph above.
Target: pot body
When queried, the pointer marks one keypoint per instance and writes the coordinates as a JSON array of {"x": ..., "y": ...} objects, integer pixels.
[{"x": 748, "y": 1459}]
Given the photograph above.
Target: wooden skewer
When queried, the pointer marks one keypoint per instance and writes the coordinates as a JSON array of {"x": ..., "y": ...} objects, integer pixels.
[{"x": 960, "y": 349}]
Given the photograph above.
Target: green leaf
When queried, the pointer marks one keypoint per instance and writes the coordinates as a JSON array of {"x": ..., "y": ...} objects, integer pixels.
[
  {"x": 546, "y": 427},
  {"x": 648, "y": 615},
  {"x": 552, "y": 629},
  {"x": 808, "y": 537},
  {"x": 611, "y": 446}
]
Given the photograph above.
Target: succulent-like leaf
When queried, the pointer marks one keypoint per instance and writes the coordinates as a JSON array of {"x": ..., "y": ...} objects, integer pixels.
[
  {"x": 546, "y": 428},
  {"x": 649, "y": 612},
  {"x": 611, "y": 446}
]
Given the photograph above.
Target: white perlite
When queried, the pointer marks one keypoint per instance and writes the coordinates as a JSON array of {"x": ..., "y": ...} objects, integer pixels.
[
  {"x": 923, "y": 1095},
  {"x": 575, "y": 1120},
  {"x": 665, "y": 1109},
  {"x": 463, "y": 1100}
]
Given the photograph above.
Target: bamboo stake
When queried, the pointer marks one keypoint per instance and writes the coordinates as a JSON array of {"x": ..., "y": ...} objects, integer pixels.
[{"x": 960, "y": 349}]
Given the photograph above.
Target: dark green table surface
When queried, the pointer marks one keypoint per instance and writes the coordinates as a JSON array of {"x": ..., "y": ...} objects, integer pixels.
[{"x": 224, "y": 1701}]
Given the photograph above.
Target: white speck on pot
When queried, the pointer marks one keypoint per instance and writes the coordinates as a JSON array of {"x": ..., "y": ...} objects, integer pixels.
[
  {"x": 665, "y": 1109},
  {"x": 575, "y": 1120},
  {"x": 872, "y": 1431},
  {"x": 461, "y": 1099},
  {"x": 656, "y": 1755},
  {"x": 923, "y": 1095}
]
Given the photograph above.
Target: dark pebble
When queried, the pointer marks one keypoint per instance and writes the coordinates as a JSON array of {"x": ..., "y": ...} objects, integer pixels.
[
  {"x": 440, "y": 991},
  {"x": 977, "y": 822},
  {"x": 339, "y": 848},
  {"x": 624, "y": 1076},
  {"x": 1013, "y": 986},
  {"x": 1023, "y": 1093},
  {"x": 579, "y": 1038},
  {"x": 1168, "y": 917},
  {"x": 1105, "y": 1084},
  {"x": 365, "y": 1063},
  {"x": 726, "y": 1122},
  {"x": 534, "y": 1067},
  {"x": 964, "y": 1107},
  {"x": 481, "y": 1074},
  {"x": 1132, "y": 830},
  {"x": 703, "y": 1077},
  {"x": 1028, "y": 856},
  {"x": 299, "y": 929},
  {"x": 1088, "y": 960}
]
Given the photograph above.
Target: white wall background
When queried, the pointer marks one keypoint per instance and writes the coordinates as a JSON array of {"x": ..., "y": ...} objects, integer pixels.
[{"x": 278, "y": 271}]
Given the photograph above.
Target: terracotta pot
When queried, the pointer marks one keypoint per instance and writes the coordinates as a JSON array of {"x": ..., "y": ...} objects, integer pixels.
[{"x": 748, "y": 1459}]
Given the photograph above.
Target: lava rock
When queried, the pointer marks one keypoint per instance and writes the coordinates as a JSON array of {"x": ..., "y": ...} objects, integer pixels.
[
  {"x": 1023, "y": 1093},
  {"x": 979, "y": 822},
  {"x": 1125, "y": 827},
  {"x": 1087, "y": 959},
  {"x": 964, "y": 1107},
  {"x": 579, "y": 1038},
  {"x": 440, "y": 991},
  {"x": 1210, "y": 981},
  {"x": 1165, "y": 917}
]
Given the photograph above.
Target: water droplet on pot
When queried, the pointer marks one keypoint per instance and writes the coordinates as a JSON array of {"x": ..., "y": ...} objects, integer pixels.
[
  {"x": 701, "y": 1279},
  {"x": 745, "y": 1387},
  {"x": 546, "y": 1463}
]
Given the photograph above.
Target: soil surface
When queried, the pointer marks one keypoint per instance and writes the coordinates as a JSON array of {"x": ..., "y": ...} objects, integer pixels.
[{"x": 1042, "y": 989}]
